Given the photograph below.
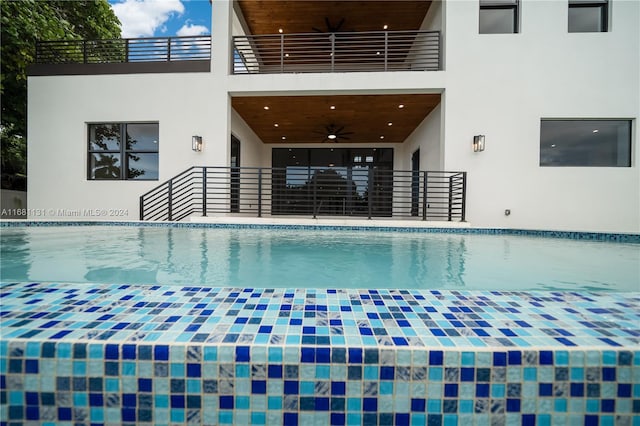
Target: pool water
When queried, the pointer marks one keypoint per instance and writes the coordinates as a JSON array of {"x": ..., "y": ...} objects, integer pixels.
[{"x": 279, "y": 258}]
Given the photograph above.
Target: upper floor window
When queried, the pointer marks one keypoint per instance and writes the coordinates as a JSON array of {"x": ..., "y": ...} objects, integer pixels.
[
  {"x": 123, "y": 151},
  {"x": 585, "y": 143},
  {"x": 587, "y": 16},
  {"x": 499, "y": 16}
]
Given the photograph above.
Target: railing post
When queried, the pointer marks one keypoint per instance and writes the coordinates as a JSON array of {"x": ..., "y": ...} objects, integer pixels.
[
  {"x": 141, "y": 208},
  {"x": 84, "y": 51},
  {"x": 126, "y": 50},
  {"x": 169, "y": 199},
  {"x": 260, "y": 192},
  {"x": 281, "y": 52},
  {"x": 315, "y": 185},
  {"x": 450, "y": 197},
  {"x": 439, "y": 52},
  {"x": 464, "y": 196},
  {"x": 168, "y": 49},
  {"x": 371, "y": 188},
  {"x": 386, "y": 48},
  {"x": 332, "y": 37},
  {"x": 204, "y": 191},
  {"x": 424, "y": 196}
]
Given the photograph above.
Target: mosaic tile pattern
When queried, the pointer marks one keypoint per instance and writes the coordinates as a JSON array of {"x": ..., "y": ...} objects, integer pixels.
[
  {"x": 573, "y": 235},
  {"x": 367, "y": 318},
  {"x": 100, "y": 354}
]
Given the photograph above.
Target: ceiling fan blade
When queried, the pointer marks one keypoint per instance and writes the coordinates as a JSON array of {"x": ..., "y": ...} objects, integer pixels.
[
  {"x": 326, "y": 21},
  {"x": 317, "y": 30},
  {"x": 343, "y": 137},
  {"x": 340, "y": 129},
  {"x": 339, "y": 26}
]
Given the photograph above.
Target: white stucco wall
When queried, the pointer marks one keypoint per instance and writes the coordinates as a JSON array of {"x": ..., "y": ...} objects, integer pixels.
[
  {"x": 426, "y": 137},
  {"x": 59, "y": 109},
  {"x": 502, "y": 85},
  {"x": 253, "y": 153}
]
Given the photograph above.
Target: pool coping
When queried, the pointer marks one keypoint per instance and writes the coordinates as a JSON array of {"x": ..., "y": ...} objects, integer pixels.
[{"x": 378, "y": 226}]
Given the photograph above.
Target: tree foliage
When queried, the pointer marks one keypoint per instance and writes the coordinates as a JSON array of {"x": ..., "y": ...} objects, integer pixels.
[{"x": 23, "y": 23}]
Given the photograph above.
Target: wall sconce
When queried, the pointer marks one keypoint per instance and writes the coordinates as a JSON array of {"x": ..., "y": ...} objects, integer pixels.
[
  {"x": 196, "y": 143},
  {"x": 478, "y": 143}
]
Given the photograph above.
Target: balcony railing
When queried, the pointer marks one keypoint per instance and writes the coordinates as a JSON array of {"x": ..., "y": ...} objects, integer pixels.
[
  {"x": 337, "y": 52},
  {"x": 308, "y": 191},
  {"x": 126, "y": 50}
]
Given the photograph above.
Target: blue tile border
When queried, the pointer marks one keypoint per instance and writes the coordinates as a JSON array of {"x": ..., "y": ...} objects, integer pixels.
[{"x": 573, "y": 235}]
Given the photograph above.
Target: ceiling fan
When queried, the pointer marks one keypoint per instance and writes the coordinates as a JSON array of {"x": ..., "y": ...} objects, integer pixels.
[
  {"x": 330, "y": 27},
  {"x": 333, "y": 133}
]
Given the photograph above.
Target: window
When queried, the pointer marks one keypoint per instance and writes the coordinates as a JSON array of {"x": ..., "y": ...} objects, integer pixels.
[
  {"x": 498, "y": 16},
  {"x": 111, "y": 159},
  {"x": 587, "y": 16},
  {"x": 585, "y": 143}
]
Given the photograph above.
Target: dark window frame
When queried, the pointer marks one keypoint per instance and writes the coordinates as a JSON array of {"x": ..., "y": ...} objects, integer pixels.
[
  {"x": 629, "y": 143},
  {"x": 515, "y": 6},
  {"x": 604, "y": 16},
  {"x": 123, "y": 152}
]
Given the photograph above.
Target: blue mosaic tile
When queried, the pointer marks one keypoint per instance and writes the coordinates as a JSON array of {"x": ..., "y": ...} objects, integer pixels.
[
  {"x": 453, "y": 364},
  {"x": 587, "y": 236}
]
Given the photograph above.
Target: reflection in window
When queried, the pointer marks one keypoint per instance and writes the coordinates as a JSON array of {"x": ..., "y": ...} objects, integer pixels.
[
  {"x": 588, "y": 16},
  {"x": 110, "y": 159},
  {"x": 585, "y": 143},
  {"x": 498, "y": 16}
]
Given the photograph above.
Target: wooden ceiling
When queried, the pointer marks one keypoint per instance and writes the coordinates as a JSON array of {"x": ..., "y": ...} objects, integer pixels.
[
  {"x": 303, "y": 119},
  {"x": 301, "y": 16}
]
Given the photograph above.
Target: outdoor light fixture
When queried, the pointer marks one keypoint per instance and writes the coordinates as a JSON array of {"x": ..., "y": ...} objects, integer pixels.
[
  {"x": 196, "y": 143},
  {"x": 478, "y": 143}
]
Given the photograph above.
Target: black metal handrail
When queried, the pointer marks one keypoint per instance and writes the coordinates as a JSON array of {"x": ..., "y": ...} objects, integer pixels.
[
  {"x": 308, "y": 191},
  {"x": 151, "y": 49},
  {"x": 337, "y": 52}
]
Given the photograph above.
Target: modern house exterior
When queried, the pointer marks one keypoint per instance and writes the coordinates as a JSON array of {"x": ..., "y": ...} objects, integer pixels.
[{"x": 530, "y": 107}]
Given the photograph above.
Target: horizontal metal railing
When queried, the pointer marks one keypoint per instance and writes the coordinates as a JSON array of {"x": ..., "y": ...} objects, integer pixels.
[
  {"x": 308, "y": 191},
  {"x": 337, "y": 52},
  {"x": 155, "y": 49}
]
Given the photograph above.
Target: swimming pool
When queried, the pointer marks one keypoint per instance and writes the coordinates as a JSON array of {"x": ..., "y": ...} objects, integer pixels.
[
  {"x": 277, "y": 258},
  {"x": 123, "y": 353}
]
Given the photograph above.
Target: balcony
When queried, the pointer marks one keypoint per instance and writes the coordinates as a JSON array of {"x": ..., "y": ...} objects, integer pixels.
[
  {"x": 337, "y": 52},
  {"x": 123, "y": 56}
]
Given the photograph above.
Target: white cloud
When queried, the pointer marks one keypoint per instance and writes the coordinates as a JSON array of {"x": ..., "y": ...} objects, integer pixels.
[
  {"x": 141, "y": 18},
  {"x": 192, "y": 30}
]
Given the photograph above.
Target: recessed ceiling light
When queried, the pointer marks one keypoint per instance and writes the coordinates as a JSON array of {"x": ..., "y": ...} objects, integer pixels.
[
  {"x": 401, "y": 106},
  {"x": 275, "y": 125},
  {"x": 280, "y": 30},
  {"x": 385, "y": 27},
  {"x": 389, "y": 124},
  {"x": 553, "y": 145},
  {"x": 377, "y": 53},
  {"x": 382, "y": 137},
  {"x": 595, "y": 130},
  {"x": 266, "y": 107},
  {"x": 284, "y": 137},
  {"x": 332, "y": 107},
  {"x": 286, "y": 55}
]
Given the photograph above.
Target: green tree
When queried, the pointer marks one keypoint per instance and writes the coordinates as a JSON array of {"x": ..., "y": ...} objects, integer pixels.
[{"x": 23, "y": 23}]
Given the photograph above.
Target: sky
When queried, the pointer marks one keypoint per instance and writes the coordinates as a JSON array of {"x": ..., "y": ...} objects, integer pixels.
[{"x": 163, "y": 18}]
